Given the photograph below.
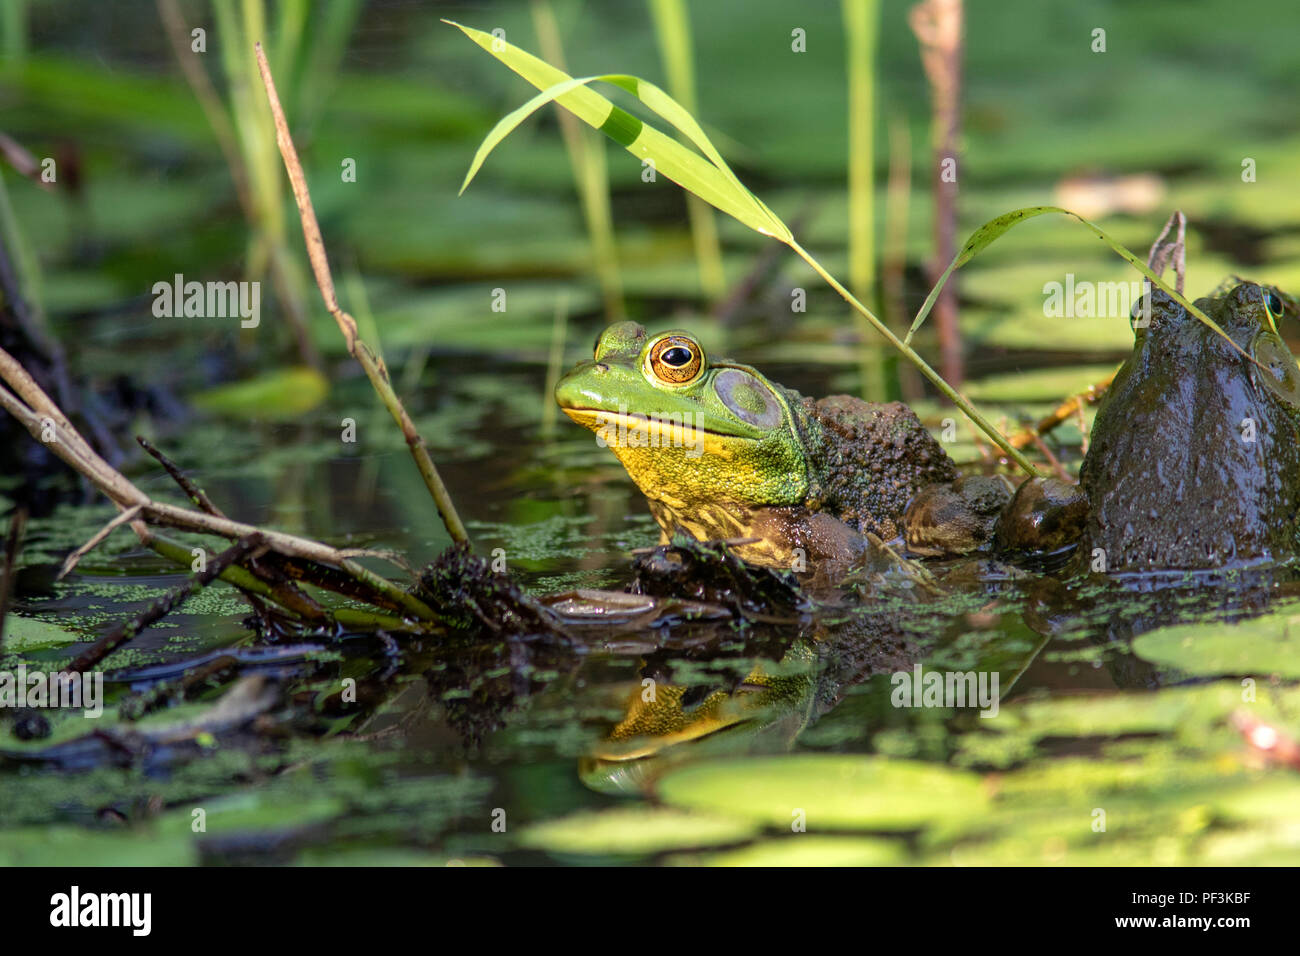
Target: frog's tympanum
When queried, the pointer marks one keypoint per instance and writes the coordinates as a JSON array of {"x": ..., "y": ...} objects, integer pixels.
[
  {"x": 1195, "y": 454},
  {"x": 724, "y": 454}
]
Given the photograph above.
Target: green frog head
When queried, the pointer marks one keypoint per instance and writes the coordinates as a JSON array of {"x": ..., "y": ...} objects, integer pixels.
[
  {"x": 688, "y": 431},
  {"x": 721, "y": 452},
  {"x": 1194, "y": 459}
]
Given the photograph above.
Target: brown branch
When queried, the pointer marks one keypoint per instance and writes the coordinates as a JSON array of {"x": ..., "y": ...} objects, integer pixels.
[
  {"x": 365, "y": 356},
  {"x": 23, "y": 162},
  {"x": 192, "y": 491},
  {"x": 123, "y": 517},
  {"x": 1052, "y": 460},
  {"x": 938, "y": 25}
]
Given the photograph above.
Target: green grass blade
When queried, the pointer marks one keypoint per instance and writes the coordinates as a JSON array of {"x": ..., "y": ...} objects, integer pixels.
[
  {"x": 13, "y": 30},
  {"x": 861, "y": 18},
  {"x": 986, "y": 234},
  {"x": 508, "y": 123},
  {"x": 711, "y": 179}
]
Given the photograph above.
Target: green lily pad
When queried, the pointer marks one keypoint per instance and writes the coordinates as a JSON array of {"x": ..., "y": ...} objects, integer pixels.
[
  {"x": 387, "y": 856},
  {"x": 1173, "y": 710},
  {"x": 1268, "y": 645},
  {"x": 29, "y": 633},
  {"x": 635, "y": 831},
  {"x": 249, "y": 812},
  {"x": 1051, "y": 386},
  {"x": 807, "y": 850},
  {"x": 829, "y": 791},
  {"x": 75, "y": 846},
  {"x": 279, "y": 395}
]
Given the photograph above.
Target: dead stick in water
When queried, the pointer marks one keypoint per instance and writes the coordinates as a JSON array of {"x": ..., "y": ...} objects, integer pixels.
[
  {"x": 371, "y": 364},
  {"x": 192, "y": 491},
  {"x": 939, "y": 28}
]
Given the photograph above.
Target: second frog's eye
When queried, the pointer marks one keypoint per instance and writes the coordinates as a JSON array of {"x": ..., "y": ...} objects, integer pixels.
[
  {"x": 676, "y": 359},
  {"x": 1273, "y": 304}
]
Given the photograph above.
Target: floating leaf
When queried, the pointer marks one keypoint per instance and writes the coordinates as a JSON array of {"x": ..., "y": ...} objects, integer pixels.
[
  {"x": 1268, "y": 645},
  {"x": 637, "y": 831},
  {"x": 833, "y": 791},
  {"x": 807, "y": 850},
  {"x": 1182, "y": 710},
  {"x": 28, "y": 633},
  {"x": 80, "y": 847},
  {"x": 284, "y": 394}
]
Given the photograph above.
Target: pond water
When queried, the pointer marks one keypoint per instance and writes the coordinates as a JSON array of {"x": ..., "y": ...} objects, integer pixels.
[
  {"x": 1136, "y": 721},
  {"x": 527, "y": 750}
]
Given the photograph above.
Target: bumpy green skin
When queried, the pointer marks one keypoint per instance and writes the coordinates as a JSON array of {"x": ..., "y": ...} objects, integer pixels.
[
  {"x": 761, "y": 461},
  {"x": 1171, "y": 479}
]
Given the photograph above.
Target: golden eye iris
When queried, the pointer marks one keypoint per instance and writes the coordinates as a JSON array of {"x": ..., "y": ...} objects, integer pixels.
[{"x": 676, "y": 359}]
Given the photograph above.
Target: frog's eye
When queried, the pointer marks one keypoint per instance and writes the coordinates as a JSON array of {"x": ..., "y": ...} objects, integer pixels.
[
  {"x": 676, "y": 359},
  {"x": 1273, "y": 304}
]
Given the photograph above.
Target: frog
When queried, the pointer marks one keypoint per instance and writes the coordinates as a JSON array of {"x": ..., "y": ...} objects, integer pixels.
[
  {"x": 1194, "y": 455},
  {"x": 721, "y": 452}
]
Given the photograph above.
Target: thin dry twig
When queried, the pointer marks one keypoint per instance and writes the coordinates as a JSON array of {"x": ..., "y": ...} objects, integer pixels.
[
  {"x": 373, "y": 366},
  {"x": 192, "y": 491},
  {"x": 938, "y": 25},
  {"x": 123, "y": 517},
  {"x": 1052, "y": 460},
  {"x": 23, "y": 162}
]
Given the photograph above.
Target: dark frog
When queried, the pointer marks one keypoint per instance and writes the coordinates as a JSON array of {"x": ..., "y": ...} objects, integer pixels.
[{"x": 1195, "y": 458}]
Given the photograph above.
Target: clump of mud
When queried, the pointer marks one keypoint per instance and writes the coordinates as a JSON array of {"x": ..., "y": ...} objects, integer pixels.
[{"x": 469, "y": 596}]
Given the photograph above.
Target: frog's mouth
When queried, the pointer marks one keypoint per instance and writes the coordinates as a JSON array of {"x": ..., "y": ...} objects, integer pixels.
[{"x": 668, "y": 430}]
